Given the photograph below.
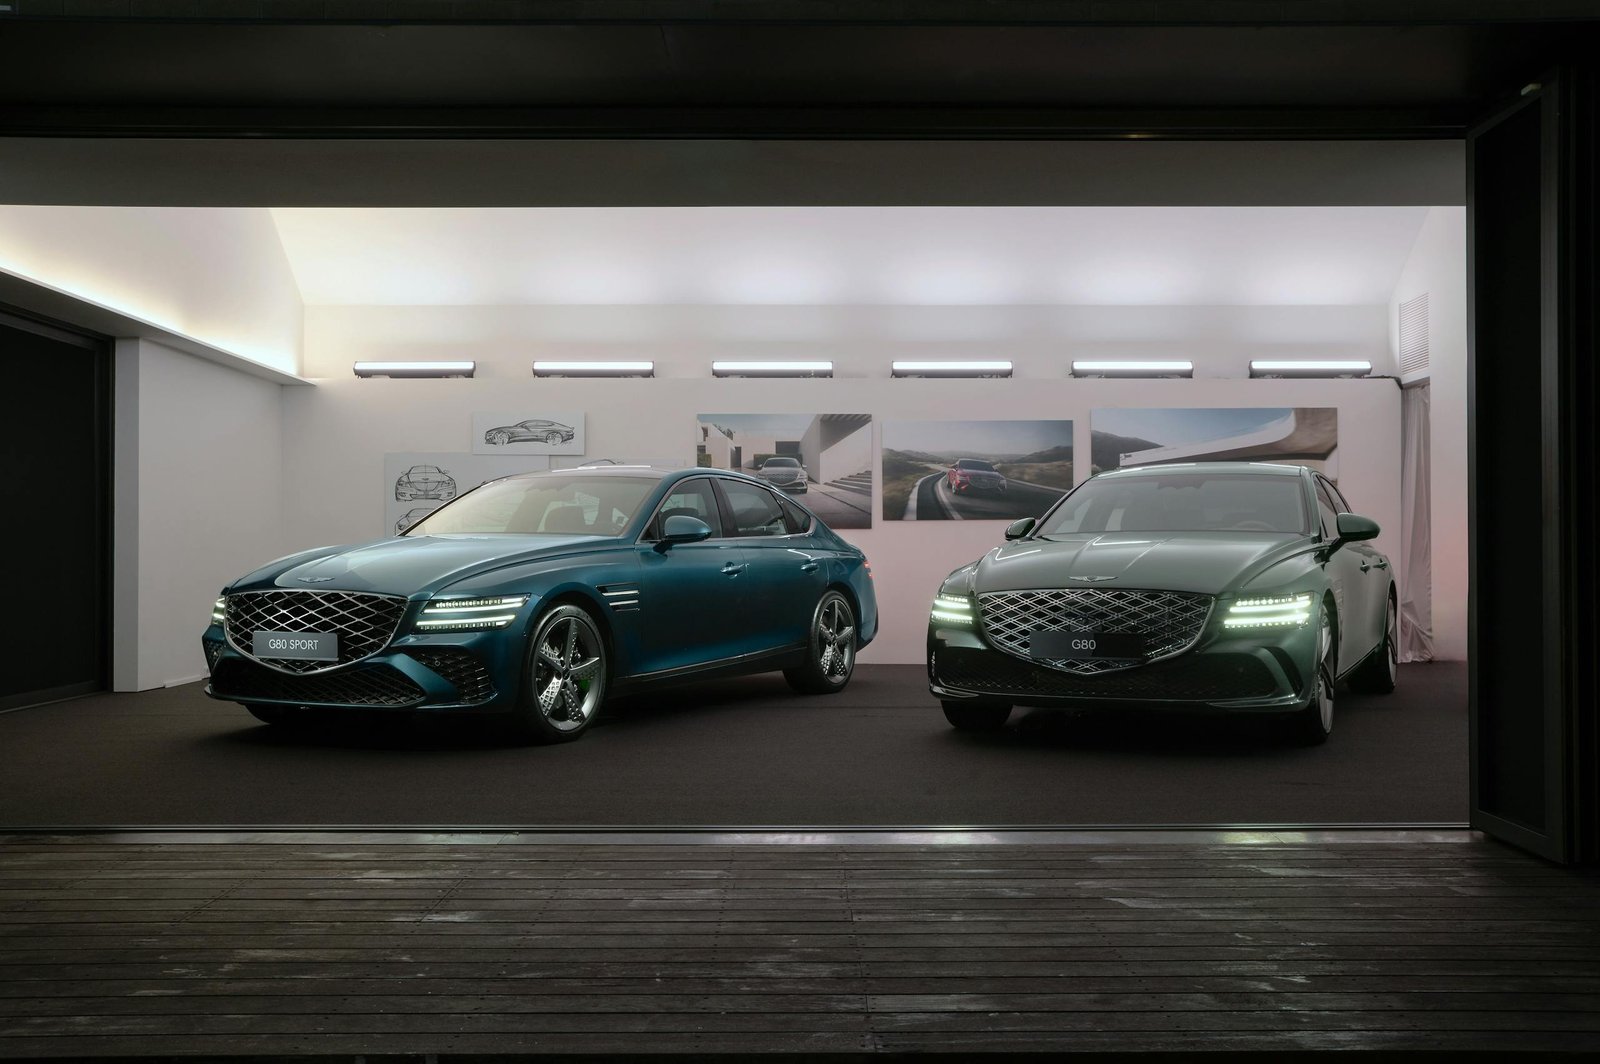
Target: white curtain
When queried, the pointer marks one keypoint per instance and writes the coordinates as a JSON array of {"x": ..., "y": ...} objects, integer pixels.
[{"x": 1416, "y": 593}]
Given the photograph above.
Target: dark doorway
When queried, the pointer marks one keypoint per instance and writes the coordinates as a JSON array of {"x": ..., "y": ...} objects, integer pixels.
[{"x": 54, "y": 439}]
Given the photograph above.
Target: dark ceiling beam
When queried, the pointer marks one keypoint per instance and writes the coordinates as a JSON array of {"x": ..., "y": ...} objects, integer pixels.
[
  {"x": 910, "y": 123},
  {"x": 818, "y": 12}
]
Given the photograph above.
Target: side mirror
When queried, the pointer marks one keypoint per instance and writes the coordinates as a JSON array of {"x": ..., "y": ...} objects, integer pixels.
[
  {"x": 1019, "y": 528},
  {"x": 681, "y": 528},
  {"x": 1354, "y": 527}
]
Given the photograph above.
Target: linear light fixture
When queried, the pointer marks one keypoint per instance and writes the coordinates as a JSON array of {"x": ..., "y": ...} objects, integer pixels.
[
  {"x": 415, "y": 369},
  {"x": 950, "y": 369},
  {"x": 1310, "y": 367},
  {"x": 772, "y": 369},
  {"x": 594, "y": 369},
  {"x": 1133, "y": 368}
]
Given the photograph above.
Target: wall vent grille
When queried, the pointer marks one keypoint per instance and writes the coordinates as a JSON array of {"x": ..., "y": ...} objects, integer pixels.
[{"x": 1414, "y": 335}]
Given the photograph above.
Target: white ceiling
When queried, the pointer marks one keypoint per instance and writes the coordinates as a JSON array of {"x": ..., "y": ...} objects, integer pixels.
[{"x": 849, "y": 255}]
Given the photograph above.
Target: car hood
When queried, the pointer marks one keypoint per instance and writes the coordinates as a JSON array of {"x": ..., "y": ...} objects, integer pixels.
[
  {"x": 406, "y": 565},
  {"x": 1206, "y": 562}
]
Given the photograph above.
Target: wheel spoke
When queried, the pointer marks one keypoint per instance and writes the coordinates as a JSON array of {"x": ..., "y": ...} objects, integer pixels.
[
  {"x": 550, "y": 657},
  {"x": 844, "y": 635},
  {"x": 572, "y": 699},
  {"x": 585, "y": 670},
  {"x": 571, "y": 646},
  {"x": 549, "y": 696},
  {"x": 826, "y": 660}
]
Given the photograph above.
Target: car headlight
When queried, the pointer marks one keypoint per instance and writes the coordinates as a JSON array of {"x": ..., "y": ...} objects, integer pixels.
[
  {"x": 219, "y": 611},
  {"x": 470, "y": 614},
  {"x": 1273, "y": 611},
  {"x": 951, "y": 609}
]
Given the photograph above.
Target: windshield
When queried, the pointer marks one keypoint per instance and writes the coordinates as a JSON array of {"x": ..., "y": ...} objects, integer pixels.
[
  {"x": 553, "y": 505},
  {"x": 1182, "y": 502},
  {"x": 790, "y": 462},
  {"x": 973, "y": 463}
]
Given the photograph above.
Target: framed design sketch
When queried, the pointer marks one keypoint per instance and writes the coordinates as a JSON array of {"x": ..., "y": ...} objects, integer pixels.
[
  {"x": 528, "y": 432},
  {"x": 417, "y": 483}
]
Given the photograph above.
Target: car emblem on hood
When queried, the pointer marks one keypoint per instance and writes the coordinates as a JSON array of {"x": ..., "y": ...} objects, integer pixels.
[
  {"x": 314, "y": 579},
  {"x": 1091, "y": 579}
]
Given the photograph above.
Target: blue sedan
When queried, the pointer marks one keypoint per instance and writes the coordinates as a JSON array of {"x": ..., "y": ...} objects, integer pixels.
[{"x": 539, "y": 595}]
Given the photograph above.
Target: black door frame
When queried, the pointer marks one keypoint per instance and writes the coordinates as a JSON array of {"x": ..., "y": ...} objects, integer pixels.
[{"x": 99, "y": 621}]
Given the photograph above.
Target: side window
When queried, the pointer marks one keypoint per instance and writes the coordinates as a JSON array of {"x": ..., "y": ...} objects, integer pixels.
[
  {"x": 798, "y": 520},
  {"x": 692, "y": 498},
  {"x": 1328, "y": 509},
  {"x": 755, "y": 510}
]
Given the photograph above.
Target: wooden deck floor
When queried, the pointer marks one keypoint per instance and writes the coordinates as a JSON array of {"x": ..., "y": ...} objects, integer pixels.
[{"x": 495, "y": 945}]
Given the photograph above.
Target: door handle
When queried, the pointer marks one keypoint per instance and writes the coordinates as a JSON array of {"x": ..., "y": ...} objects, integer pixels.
[
  {"x": 810, "y": 567},
  {"x": 1365, "y": 567},
  {"x": 733, "y": 570},
  {"x": 1380, "y": 565}
]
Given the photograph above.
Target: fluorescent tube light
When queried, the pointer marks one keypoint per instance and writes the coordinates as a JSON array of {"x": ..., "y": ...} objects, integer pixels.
[
  {"x": 1124, "y": 368},
  {"x": 1309, "y": 367},
  {"x": 415, "y": 369},
  {"x": 950, "y": 369},
  {"x": 594, "y": 369},
  {"x": 772, "y": 369}
]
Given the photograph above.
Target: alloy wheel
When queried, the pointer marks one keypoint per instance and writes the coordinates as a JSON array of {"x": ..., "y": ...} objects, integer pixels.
[
  {"x": 1325, "y": 666},
  {"x": 836, "y": 640},
  {"x": 568, "y": 666},
  {"x": 1392, "y": 643}
]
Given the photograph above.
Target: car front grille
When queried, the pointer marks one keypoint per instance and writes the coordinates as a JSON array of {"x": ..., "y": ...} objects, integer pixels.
[
  {"x": 1198, "y": 678},
  {"x": 462, "y": 668},
  {"x": 1169, "y": 621},
  {"x": 364, "y": 623},
  {"x": 363, "y": 685}
]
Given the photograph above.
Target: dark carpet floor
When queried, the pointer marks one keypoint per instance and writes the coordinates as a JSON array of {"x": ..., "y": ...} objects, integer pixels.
[{"x": 740, "y": 752}]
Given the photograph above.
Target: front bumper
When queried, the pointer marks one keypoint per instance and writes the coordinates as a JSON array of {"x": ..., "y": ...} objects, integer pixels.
[
  {"x": 459, "y": 672},
  {"x": 1265, "y": 671}
]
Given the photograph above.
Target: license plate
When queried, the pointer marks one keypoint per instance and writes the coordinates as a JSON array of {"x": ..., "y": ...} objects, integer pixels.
[
  {"x": 295, "y": 646},
  {"x": 1064, "y": 646}
]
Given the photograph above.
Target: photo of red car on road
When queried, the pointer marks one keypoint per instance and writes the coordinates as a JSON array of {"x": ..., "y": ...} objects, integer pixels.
[{"x": 974, "y": 474}]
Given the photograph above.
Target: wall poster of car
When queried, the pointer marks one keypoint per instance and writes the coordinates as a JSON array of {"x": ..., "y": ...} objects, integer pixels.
[
  {"x": 415, "y": 484},
  {"x": 824, "y": 460},
  {"x": 974, "y": 470},
  {"x": 522, "y": 432},
  {"x": 1303, "y": 435}
]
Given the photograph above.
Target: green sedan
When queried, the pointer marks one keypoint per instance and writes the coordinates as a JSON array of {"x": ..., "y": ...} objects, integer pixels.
[{"x": 1233, "y": 586}]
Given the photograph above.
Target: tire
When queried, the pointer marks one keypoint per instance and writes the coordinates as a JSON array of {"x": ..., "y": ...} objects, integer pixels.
[
  {"x": 1312, "y": 724},
  {"x": 564, "y": 678},
  {"x": 277, "y": 715},
  {"x": 830, "y": 648},
  {"x": 553, "y": 438},
  {"x": 976, "y": 716},
  {"x": 1378, "y": 673}
]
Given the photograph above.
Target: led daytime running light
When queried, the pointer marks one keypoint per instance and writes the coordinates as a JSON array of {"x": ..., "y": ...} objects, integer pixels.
[
  {"x": 952, "y": 609},
  {"x": 462, "y": 614},
  {"x": 1277, "y": 611},
  {"x": 219, "y": 611}
]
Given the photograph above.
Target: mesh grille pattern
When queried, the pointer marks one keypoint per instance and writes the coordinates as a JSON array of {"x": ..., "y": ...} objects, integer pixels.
[
  {"x": 462, "y": 668},
  {"x": 1169, "y": 621},
  {"x": 213, "y": 651},
  {"x": 367, "y": 685},
  {"x": 363, "y": 623},
  {"x": 1199, "y": 678}
]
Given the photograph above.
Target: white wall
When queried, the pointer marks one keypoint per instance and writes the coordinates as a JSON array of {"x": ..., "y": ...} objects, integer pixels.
[
  {"x": 335, "y": 435},
  {"x": 219, "y": 276},
  {"x": 198, "y": 467},
  {"x": 1437, "y": 266}
]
